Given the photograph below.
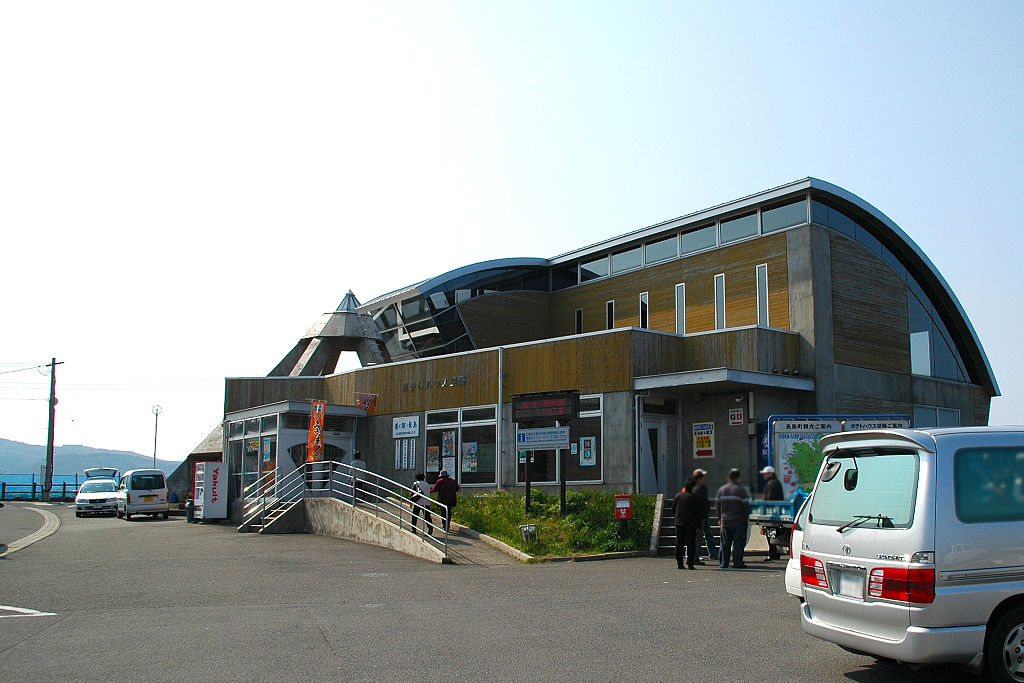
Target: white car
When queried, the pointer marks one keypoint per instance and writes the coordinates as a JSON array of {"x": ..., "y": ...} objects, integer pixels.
[
  {"x": 96, "y": 496},
  {"x": 794, "y": 583}
]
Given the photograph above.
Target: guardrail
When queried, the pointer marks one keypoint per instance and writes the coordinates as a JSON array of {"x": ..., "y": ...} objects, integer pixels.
[
  {"x": 29, "y": 491},
  {"x": 268, "y": 497}
]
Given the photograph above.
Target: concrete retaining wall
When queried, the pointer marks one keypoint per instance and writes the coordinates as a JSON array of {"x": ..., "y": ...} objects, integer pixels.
[{"x": 330, "y": 517}]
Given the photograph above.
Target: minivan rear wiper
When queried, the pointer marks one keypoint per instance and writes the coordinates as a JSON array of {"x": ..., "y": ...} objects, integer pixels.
[{"x": 884, "y": 522}]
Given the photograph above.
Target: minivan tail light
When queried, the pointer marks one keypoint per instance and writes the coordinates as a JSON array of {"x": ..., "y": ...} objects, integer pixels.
[
  {"x": 812, "y": 572},
  {"x": 903, "y": 584},
  {"x": 792, "y": 535},
  {"x": 128, "y": 498}
]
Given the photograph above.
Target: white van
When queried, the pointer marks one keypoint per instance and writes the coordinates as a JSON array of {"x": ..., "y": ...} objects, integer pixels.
[
  {"x": 913, "y": 548},
  {"x": 142, "y": 492}
]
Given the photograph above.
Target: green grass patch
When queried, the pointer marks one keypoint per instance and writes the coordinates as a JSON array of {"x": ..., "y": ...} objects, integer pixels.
[{"x": 588, "y": 527}]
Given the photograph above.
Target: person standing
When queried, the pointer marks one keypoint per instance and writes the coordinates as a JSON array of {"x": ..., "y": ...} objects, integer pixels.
[
  {"x": 772, "y": 491},
  {"x": 700, "y": 492},
  {"x": 421, "y": 505},
  {"x": 687, "y": 512},
  {"x": 733, "y": 504},
  {"x": 446, "y": 489}
]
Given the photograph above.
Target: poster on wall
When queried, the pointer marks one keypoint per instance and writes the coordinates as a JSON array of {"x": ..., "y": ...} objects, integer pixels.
[
  {"x": 405, "y": 454},
  {"x": 703, "y": 439},
  {"x": 412, "y": 454},
  {"x": 469, "y": 456},
  {"x": 587, "y": 455},
  {"x": 398, "y": 455},
  {"x": 793, "y": 440},
  {"x": 448, "y": 464},
  {"x": 433, "y": 459}
]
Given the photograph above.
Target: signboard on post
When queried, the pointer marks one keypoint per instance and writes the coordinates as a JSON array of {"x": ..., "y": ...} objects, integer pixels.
[
  {"x": 542, "y": 439},
  {"x": 793, "y": 441},
  {"x": 561, "y": 406}
]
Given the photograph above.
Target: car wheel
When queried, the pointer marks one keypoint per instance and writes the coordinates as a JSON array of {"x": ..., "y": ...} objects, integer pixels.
[
  {"x": 165, "y": 514},
  {"x": 1004, "y": 654},
  {"x": 127, "y": 515},
  {"x": 78, "y": 514}
]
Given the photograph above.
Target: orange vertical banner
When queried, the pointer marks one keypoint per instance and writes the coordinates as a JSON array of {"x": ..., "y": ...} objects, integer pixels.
[{"x": 315, "y": 442}]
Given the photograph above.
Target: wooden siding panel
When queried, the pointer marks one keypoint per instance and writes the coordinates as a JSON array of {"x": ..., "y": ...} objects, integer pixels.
[
  {"x": 739, "y": 263},
  {"x": 506, "y": 318},
  {"x": 590, "y": 364},
  {"x": 871, "y": 327},
  {"x": 242, "y": 392},
  {"x": 847, "y": 404},
  {"x": 430, "y": 384}
]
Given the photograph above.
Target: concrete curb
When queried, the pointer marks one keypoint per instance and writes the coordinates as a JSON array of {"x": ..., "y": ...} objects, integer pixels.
[
  {"x": 50, "y": 525},
  {"x": 514, "y": 553}
]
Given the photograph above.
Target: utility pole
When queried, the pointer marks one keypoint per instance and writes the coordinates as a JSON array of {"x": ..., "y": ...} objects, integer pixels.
[{"x": 48, "y": 472}]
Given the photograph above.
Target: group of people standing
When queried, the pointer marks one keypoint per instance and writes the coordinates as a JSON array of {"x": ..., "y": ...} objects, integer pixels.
[{"x": 691, "y": 510}]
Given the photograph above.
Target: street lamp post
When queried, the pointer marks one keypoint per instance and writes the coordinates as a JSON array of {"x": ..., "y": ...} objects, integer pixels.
[{"x": 156, "y": 423}]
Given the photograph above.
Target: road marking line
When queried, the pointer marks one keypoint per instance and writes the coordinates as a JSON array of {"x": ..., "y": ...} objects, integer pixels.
[{"x": 22, "y": 612}]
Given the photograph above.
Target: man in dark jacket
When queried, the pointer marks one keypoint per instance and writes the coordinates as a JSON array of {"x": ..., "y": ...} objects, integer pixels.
[
  {"x": 446, "y": 489},
  {"x": 687, "y": 512},
  {"x": 700, "y": 492},
  {"x": 772, "y": 491},
  {"x": 733, "y": 503}
]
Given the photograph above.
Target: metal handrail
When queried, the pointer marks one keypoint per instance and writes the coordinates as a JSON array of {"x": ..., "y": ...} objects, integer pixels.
[{"x": 349, "y": 484}]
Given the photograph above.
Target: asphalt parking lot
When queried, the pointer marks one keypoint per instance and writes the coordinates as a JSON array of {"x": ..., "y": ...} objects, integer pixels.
[{"x": 163, "y": 600}]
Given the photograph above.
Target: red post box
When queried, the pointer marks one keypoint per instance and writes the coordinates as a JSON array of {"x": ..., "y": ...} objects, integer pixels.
[{"x": 624, "y": 506}]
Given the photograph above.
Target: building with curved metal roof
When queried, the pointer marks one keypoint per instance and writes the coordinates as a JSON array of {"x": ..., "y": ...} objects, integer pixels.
[{"x": 802, "y": 299}]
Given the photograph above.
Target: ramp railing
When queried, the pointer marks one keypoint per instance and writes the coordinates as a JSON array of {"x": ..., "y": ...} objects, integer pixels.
[{"x": 268, "y": 497}]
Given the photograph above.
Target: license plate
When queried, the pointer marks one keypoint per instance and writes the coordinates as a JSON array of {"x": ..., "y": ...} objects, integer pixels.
[
  {"x": 148, "y": 499},
  {"x": 851, "y": 584}
]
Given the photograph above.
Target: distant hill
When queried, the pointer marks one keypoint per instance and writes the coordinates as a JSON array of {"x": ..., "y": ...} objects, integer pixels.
[{"x": 23, "y": 458}]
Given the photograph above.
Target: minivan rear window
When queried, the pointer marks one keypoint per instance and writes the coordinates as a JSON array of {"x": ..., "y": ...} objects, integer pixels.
[
  {"x": 871, "y": 489},
  {"x": 147, "y": 481},
  {"x": 988, "y": 484}
]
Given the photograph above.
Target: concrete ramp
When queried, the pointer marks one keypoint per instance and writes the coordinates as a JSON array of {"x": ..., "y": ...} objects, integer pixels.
[{"x": 332, "y": 517}]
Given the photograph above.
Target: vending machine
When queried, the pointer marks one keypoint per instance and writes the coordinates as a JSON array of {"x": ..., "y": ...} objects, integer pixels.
[{"x": 211, "y": 499}]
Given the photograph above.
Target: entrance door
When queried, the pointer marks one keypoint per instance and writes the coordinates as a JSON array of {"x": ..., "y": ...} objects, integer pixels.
[
  {"x": 653, "y": 442},
  {"x": 659, "y": 455}
]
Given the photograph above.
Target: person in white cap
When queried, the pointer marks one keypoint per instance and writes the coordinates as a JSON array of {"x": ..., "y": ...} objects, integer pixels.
[{"x": 772, "y": 491}]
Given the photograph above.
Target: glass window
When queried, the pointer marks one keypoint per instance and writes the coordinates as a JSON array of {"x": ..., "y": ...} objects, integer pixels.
[
  {"x": 579, "y": 321},
  {"x": 478, "y": 414},
  {"x": 738, "y": 228},
  {"x": 543, "y": 467},
  {"x": 252, "y": 426},
  {"x": 585, "y": 438},
  {"x": 564, "y": 276},
  {"x": 336, "y": 423},
  {"x": 762, "y": 295},
  {"x": 988, "y": 484},
  {"x": 269, "y": 423},
  {"x": 234, "y": 469},
  {"x": 251, "y": 462},
  {"x": 387, "y": 318},
  {"x": 438, "y": 301},
  {"x": 443, "y": 417},
  {"x": 590, "y": 404},
  {"x": 924, "y": 417},
  {"x": 609, "y": 315},
  {"x": 478, "y": 463},
  {"x": 626, "y": 260},
  {"x": 442, "y": 448},
  {"x": 948, "y": 417},
  {"x": 720, "y": 301},
  {"x": 785, "y": 216},
  {"x": 885, "y": 484},
  {"x": 594, "y": 269},
  {"x": 268, "y": 454},
  {"x": 644, "y": 315},
  {"x": 839, "y": 222},
  {"x": 920, "y": 354},
  {"x": 681, "y": 308},
  {"x": 234, "y": 429},
  {"x": 661, "y": 250},
  {"x": 698, "y": 240}
]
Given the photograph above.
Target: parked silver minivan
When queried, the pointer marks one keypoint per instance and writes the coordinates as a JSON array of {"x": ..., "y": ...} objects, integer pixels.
[{"x": 913, "y": 548}]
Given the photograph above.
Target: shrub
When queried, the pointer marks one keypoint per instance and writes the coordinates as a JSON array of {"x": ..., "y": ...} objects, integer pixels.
[{"x": 589, "y": 525}]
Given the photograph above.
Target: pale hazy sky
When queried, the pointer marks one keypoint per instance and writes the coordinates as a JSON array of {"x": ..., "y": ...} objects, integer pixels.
[{"x": 186, "y": 187}]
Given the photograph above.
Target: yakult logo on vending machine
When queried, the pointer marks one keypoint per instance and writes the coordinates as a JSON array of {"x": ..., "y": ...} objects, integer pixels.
[{"x": 216, "y": 473}]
